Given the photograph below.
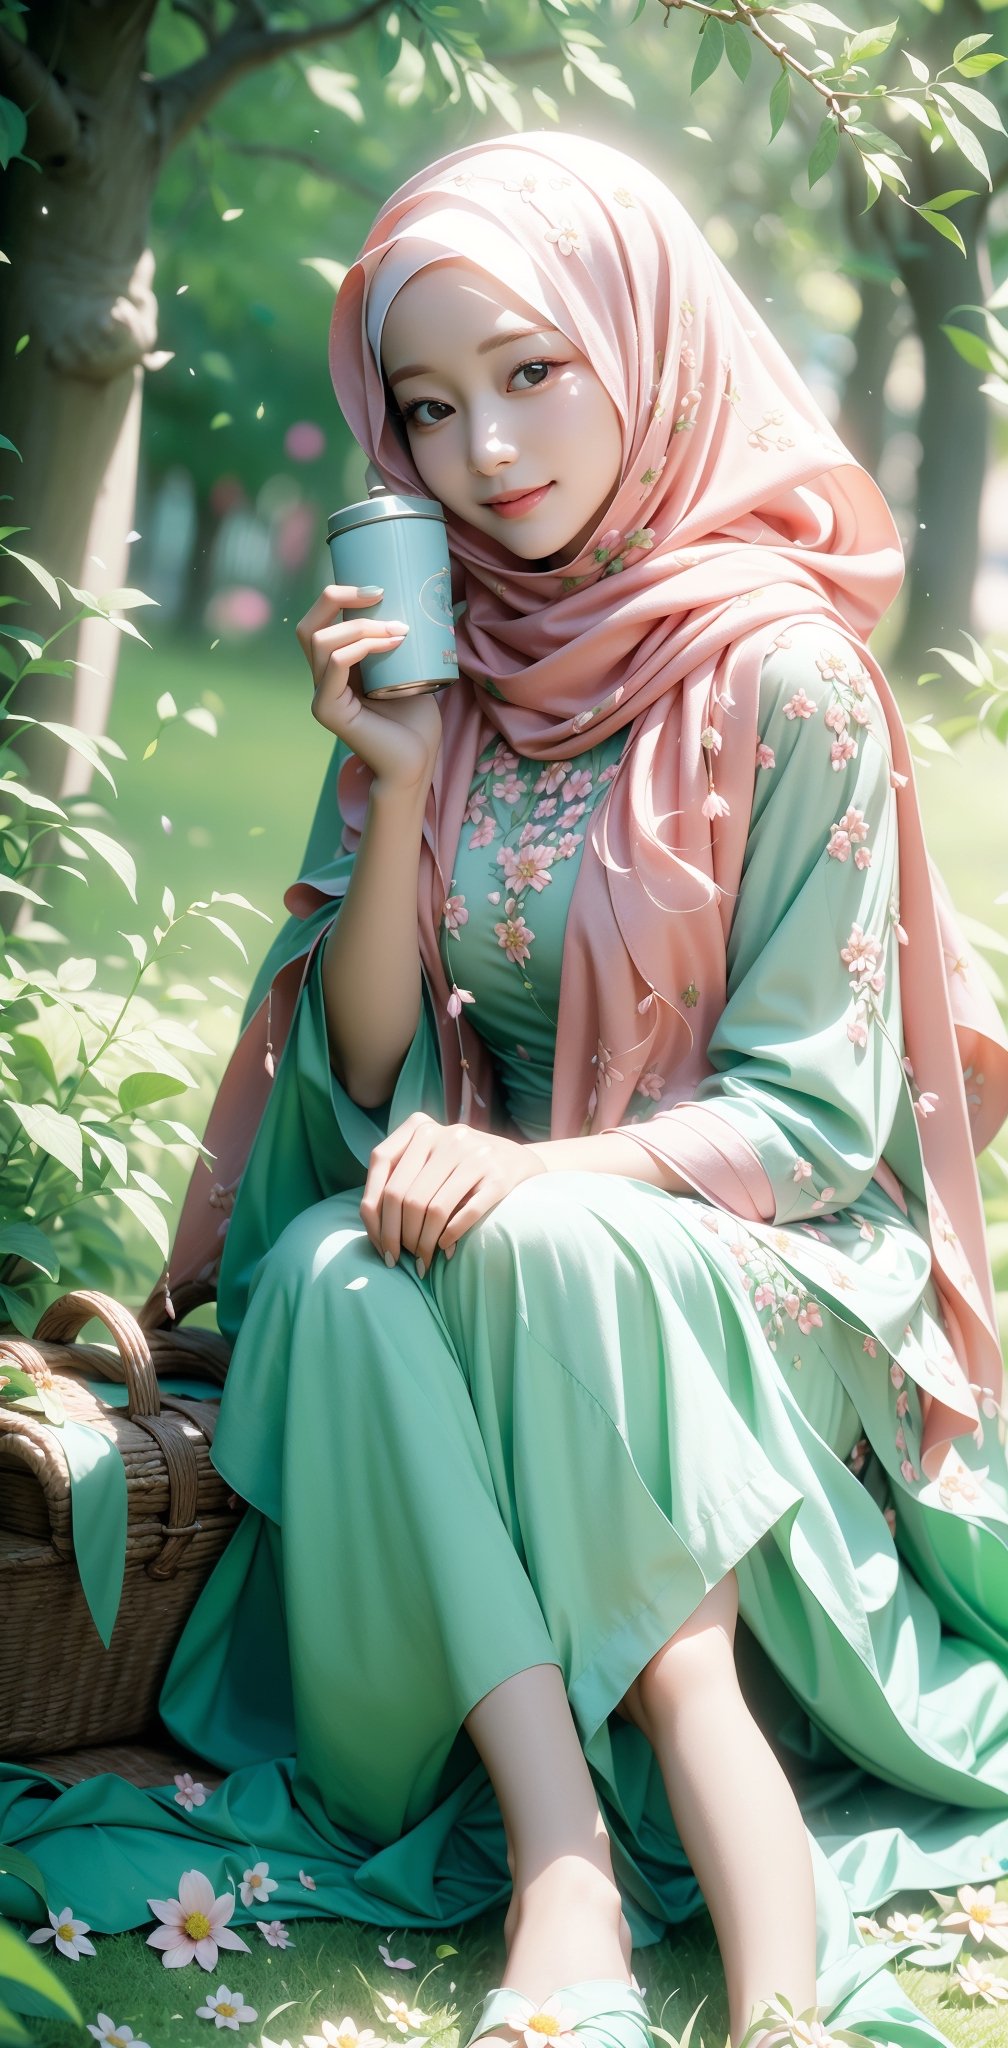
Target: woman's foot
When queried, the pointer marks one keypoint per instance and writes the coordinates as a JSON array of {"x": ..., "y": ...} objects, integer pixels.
[{"x": 564, "y": 1926}]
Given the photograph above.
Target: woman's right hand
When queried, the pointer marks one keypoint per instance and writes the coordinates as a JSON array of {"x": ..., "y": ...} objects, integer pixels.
[{"x": 396, "y": 737}]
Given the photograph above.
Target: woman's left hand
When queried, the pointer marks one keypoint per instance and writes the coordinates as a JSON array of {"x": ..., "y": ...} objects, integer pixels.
[{"x": 428, "y": 1183}]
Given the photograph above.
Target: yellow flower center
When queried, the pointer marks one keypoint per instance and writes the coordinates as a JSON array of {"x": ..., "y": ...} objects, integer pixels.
[
  {"x": 227, "y": 2012},
  {"x": 116, "y": 2041},
  {"x": 542, "y": 2023},
  {"x": 197, "y": 1926},
  {"x": 345, "y": 2040},
  {"x": 979, "y": 1912},
  {"x": 255, "y": 1879}
]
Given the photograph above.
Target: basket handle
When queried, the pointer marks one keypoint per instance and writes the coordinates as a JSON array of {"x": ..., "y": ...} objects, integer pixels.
[{"x": 64, "y": 1319}]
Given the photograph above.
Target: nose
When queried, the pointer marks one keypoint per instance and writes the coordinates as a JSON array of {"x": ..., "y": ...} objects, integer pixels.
[{"x": 489, "y": 450}]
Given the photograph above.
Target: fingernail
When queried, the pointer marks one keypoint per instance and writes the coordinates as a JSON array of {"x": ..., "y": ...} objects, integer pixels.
[
  {"x": 371, "y": 590},
  {"x": 450, "y": 1253},
  {"x": 389, "y": 1260},
  {"x": 395, "y": 625},
  {"x": 421, "y": 1269}
]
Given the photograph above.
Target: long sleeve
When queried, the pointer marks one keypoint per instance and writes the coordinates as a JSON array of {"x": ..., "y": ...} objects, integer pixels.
[{"x": 807, "y": 1077}]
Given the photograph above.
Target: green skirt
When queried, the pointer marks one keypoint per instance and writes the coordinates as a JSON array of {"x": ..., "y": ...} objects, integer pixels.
[{"x": 546, "y": 1451}]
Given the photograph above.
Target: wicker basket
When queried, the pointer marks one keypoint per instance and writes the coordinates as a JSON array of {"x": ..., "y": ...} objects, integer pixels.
[{"x": 60, "y": 1688}]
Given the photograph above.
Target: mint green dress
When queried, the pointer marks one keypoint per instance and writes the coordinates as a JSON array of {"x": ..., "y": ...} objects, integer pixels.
[{"x": 548, "y": 1448}]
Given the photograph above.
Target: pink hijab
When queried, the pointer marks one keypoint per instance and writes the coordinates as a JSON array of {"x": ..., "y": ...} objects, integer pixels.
[{"x": 739, "y": 514}]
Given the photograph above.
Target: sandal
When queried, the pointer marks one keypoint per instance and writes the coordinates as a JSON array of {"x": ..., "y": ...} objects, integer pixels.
[{"x": 601, "y": 2013}]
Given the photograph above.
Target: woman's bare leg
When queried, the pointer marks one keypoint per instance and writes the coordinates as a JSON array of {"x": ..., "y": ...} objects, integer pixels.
[
  {"x": 736, "y": 1814},
  {"x": 565, "y": 1922}
]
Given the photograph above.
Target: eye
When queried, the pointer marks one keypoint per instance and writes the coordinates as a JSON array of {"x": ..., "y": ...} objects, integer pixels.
[{"x": 411, "y": 411}]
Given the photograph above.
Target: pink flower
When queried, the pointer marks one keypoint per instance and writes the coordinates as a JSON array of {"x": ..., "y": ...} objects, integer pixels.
[
  {"x": 195, "y": 1924},
  {"x": 765, "y": 756},
  {"x": 651, "y": 1084},
  {"x": 861, "y": 714},
  {"x": 802, "y": 1171},
  {"x": 578, "y": 784},
  {"x": 764, "y": 1295},
  {"x": 511, "y": 790},
  {"x": 483, "y": 834},
  {"x": 571, "y": 815},
  {"x": 861, "y": 953},
  {"x": 714, "y": 806},
  {"x": 791, "y": 1303},
  {"x": 870, "y": 1346},
  {"x": 910, "y": 1472},
  {"x": 896, "y": 1374},
  {"x": 546, "y": 808},
  {"x": 710, "y": 739},
  {"x": 902, "y": 1403},
  {"x": 843, "y": 751},
  {"x": 866, "y": 1229},
  {"x": 308, "y": 1882},
  {"x": 504, "y": 759},
  {"x": 566, "y": 845},
  {"x": 926, "y": 1104},
  {"x": 862, "y": 858},
  {"x": 799, "y": 706},
  {"x": 514, "y": 935},
  {"x": 528, "y": 867},
  {"x": 275, "y": 1932},
  {"x": 839, "y": 846},
  {"x": 455, "y": 1001},
  {"x": 552, "y": 776},
  {"x": 857, "y": 1029},
  {"x": 809, "y": 1318},
  {"x": 474, "y": 810},
  {"x": 190, "y": 1792},
  {"x": 608, "y": 773},
  {"x": 836, "y": 719},
  {"x": 455, "y": 912},
  {"x": 604, "y": 1069}
]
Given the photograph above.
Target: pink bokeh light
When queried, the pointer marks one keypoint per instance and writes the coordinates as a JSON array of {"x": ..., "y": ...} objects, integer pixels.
[{"x": 304, "y": 441}]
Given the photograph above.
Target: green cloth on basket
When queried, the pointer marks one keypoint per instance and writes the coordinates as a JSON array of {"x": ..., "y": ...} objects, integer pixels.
[{"x": 550, "y": 1446}]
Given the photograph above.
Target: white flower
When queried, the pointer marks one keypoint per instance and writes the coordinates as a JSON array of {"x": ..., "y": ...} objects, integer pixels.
[
  {"x": 985, "y": 1916},
  {"x": 226, "y": 2008},
  {"x": 190, "y": 1792},
  {"x": 308, "y": 1882},
  {"x": 112, "y": 2036},
  {"x": 68, "y": 1934},
  {"x": 257, "y": 1884},
  {"x": 400, "y": 2014},
  {"x": 195, "y": 1924},
  {"x": 275, "y": 1932},
  {"x": 343, "y": 2036},
  {"x": 979, "y": 1982},
  {"x": 912, "y": 1927}
]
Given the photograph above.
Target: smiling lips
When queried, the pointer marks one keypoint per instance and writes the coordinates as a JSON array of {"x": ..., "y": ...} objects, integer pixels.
[{"x": 517, "y": 503}]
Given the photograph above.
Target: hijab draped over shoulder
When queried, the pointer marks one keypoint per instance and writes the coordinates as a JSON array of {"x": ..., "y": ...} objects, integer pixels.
[{"x": 739, "y": 514}]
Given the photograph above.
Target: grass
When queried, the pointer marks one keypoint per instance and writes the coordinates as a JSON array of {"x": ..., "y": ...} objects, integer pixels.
[{"x": 237, "y": 811}]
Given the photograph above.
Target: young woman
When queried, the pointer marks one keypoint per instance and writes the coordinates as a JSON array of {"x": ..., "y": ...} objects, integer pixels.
[{"x": 608, "y": 1263}]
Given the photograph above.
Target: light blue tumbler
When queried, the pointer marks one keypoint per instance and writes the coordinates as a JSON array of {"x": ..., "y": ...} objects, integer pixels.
[{"x": 401, "y": 545}]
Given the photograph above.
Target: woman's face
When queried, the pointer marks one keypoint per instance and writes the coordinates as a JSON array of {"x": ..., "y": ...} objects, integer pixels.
[{"x": 496, "y": 403}]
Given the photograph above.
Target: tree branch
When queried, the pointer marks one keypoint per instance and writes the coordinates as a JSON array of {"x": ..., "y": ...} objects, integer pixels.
[
  {"x": 304, "y": 159},
  {"x": 53, "y": 127},
  {"x": 199, "y": 12},
  {"x": 183, "y": 98}
]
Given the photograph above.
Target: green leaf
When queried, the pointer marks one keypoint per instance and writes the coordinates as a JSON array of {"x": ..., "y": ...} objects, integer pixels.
[
  {"x": 226, "y": 931},
  {"x": 166, "y": 707},
  {"x": 871, "y": 42},
  {"x": 780, "y": 101},
  {"x": 147, "y": 1214},
  {"x": 710, "y": 52},
  {"x": 444, "y": 1949},
  {"x": 4, "y": 443},
  {"x": 137, "y": 946},
  {"x": 80, "y": 742},
  {"x": 53, "y": 1133},
  {"x": 968, "y": 44},
  {"x": 964, "y": 137},
  {"x": 41, "y": 575},
  {"x": 970, "y": 347},
  {"x": 948, "y": 199},
  {"x": 18, "y": 1311},
  {"x": 9, "y": 886},
  {"x": 202, "y": 719},
  {"x": 974, "y": 67},
  {"x": 824, "y": 151},
  {"x": 14, "y": 1863},
  {"x": 739, "y": 48},
  {"x": 918, "y": 67},
  {"x": 139, "y": 1089},
  {"x": 114, "y": 855},
  {"x": 110, "y": 1148},
  {"x": 25, "y": 1241},
  {"x": 13, "y": 131},
  {"x": 31, "y": 798},
  {"x": 977, "y": 104},
  {"x": 240, "y": 903},
  {"x": 944, "y": 227},
  {"x": 23, "y": 1967}
]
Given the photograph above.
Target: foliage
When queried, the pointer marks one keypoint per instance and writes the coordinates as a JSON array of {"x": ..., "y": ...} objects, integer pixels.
[
  {"x": 28, "y": 1984},
  {"x": 87, "y": 1074}
]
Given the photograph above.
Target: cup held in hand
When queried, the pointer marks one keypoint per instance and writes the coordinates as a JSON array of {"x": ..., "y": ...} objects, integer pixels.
[{"x": 397, "y": 547}]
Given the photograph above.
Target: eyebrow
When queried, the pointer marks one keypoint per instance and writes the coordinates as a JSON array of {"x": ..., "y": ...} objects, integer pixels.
[{"x": 495, "y": 341}]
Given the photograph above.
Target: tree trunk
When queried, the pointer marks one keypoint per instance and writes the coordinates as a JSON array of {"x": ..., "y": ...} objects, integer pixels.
[
  {"x": 79, "y": 287},
  {"x": 953, "y": 429}
]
